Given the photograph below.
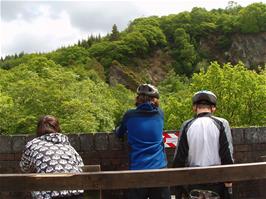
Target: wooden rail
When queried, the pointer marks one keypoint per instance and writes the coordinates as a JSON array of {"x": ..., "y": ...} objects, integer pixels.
[
  {"x": 92, "y": 194},
  {"x": 132, "y": 179}
]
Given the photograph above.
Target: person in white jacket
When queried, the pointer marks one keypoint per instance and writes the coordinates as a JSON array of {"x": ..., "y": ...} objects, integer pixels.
[{"x": 205, "y": 140}]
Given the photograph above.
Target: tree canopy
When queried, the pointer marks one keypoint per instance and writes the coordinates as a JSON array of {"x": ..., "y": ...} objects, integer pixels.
[{"x": 71, "y": 83}]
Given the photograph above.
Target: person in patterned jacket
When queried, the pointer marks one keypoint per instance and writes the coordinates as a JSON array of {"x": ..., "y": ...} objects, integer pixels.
[{"x": 51, "y": 152}]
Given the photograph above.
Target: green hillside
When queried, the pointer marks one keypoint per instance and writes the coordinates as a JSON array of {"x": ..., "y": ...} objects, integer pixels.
[{"x": 89, "y": 85}]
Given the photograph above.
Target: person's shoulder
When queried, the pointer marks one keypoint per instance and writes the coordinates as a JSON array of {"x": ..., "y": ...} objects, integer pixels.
[
  {"x": 31, "y": 142},
  {"x": 187, "y": 121},
  {"x": 129, "y": 113},
  {"x": 160, "y": 111},
  {"x": 223, "y": 120}
]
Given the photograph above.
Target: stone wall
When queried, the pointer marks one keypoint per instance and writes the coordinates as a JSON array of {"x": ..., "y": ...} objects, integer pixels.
[{"x": 111, "y": 153}]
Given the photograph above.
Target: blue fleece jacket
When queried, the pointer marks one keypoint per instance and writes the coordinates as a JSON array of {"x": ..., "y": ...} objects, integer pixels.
[{"x": 144, "y": 126}]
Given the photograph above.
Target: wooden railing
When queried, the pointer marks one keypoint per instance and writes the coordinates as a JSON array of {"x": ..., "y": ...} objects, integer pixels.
[{"x": 107, "y": 180}]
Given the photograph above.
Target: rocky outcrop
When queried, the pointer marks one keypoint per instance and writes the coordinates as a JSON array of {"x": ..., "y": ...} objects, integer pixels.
[
  {"x": 119, "y": 74},
  {"x": 158, "y": 66},
  {"x": 250, "y": 49},
  {"x": 150, "y": 70},
  {"x": 247, "y": 48}
]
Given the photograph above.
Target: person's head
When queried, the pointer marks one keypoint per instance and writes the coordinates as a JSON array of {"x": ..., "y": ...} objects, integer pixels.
[
  {"x": 147, "y": 93},
  {"x": 47, "y": 124},
  {"x": 204, "y": 101}
]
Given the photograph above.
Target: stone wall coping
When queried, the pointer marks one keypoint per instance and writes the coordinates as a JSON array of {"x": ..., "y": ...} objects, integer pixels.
[{"x": 103, "y": 141}]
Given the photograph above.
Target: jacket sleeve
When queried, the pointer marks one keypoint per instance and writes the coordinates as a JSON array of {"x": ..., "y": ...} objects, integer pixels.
[
  {"x": 122, "y": 128},
  {"x": 228, "y": 134},
  {"x": 78, "y": 158},
  {"x": 225, "y": 151},
  {"x": 26, "y": 163},
  {"x": 182, "y": 148}
]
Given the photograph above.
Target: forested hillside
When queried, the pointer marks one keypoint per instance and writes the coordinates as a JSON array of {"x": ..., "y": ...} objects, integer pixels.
[{"x": 89, "y": 85}]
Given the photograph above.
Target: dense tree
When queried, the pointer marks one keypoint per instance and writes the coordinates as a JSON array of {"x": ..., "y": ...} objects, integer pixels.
[
  {"x": 253, "y": 18},
  {"x": 152, "y": 21},
  {"x": 70, "y": 82},
  {"x": 42, "y": 87},
  {"x": 240, "y": 92},
  {"x": 114, "y": 36},
  {"x": 105, "y": 52},
  {"x": 183, "y": 53},
  {"x": 137, "y": 44},
  {"x": 70, "y": 56},
  {"x": 152, "y": 34},
  {"x": 202, "y": 21},
  {"x": 170, "y": 23}
]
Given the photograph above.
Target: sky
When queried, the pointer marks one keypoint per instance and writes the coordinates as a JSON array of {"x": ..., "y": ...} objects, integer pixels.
[{"x": 43, "y": 26}]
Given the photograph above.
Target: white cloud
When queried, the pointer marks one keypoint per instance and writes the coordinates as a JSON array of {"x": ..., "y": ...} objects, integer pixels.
[
  {"x": 39, "y": 35},
  {"x": 52, "y": 25},
  {"x": 40, "y": 26}
]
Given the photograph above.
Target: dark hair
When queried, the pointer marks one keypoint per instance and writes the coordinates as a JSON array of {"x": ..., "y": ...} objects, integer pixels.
[
  {"x": 204, "y": 105},
  {"x": 140, "y": 99},
  {"x": 47, "y": 124}
]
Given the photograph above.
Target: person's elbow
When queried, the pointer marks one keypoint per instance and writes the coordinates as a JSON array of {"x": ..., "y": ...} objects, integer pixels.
[{"x": 118, "y": 132}]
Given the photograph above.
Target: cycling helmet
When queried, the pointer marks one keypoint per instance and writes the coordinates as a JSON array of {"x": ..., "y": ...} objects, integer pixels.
[
  {"x": 149, "y": 90},
  {"x": 205, "y": 97}
]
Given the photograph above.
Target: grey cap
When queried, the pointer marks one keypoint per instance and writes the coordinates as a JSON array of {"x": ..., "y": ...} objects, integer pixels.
[{"x": 204, "y": 96}]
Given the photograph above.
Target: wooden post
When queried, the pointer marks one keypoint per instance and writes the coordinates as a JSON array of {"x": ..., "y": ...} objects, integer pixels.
[{"x": 92, "y": 194}]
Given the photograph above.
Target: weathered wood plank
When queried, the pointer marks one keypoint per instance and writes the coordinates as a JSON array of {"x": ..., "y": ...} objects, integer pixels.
[
  {"x": 130, "y": 179},
  {"x": 91, "y": 168}
]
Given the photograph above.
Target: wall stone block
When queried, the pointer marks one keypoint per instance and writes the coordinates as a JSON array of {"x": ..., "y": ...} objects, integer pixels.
[
  {"x": 29, "y": 137},
  {"x": 86, "y": 142},
  {"x": 238, "y": 135},
  {"x": 18, "y": 143},
  {"x": 262, "y": 134},
  {"x": 252, "y": 136},
  {"x": 242, "y": 147},
  {"x": 74, "y": 141},
  {"x": 6, "y": 144},
  {"x": 115, "y": 143},
  {"x": 101, "y": 141}
]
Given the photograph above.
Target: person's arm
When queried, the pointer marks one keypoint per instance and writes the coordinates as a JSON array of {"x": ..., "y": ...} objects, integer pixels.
[
  {"x": 224, "y": 150},
  {"x": 26, "y": 163},
  {"x": 181, "y": 152},
  {"x": 228, "y": 134},
  {"x": 78, "y": 158},
  {"x": 122, "y": 128}
]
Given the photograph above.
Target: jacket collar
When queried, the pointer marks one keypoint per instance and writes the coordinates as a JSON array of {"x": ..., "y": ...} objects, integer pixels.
[
  {"x": 147, "y": 107},
  {"x": 204, "y": 114}
]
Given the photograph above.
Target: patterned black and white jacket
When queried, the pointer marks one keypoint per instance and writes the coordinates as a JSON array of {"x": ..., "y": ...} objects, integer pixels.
[{"x": 51, "y": 153}]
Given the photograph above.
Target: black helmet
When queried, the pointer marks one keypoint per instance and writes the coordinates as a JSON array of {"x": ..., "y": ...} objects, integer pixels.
[
  {"x": 204, "y": 97},
  {"x": 149, "y": 90}
]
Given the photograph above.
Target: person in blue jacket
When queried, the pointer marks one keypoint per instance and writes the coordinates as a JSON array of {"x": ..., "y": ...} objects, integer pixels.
[{"x": 144, "y": 128}]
